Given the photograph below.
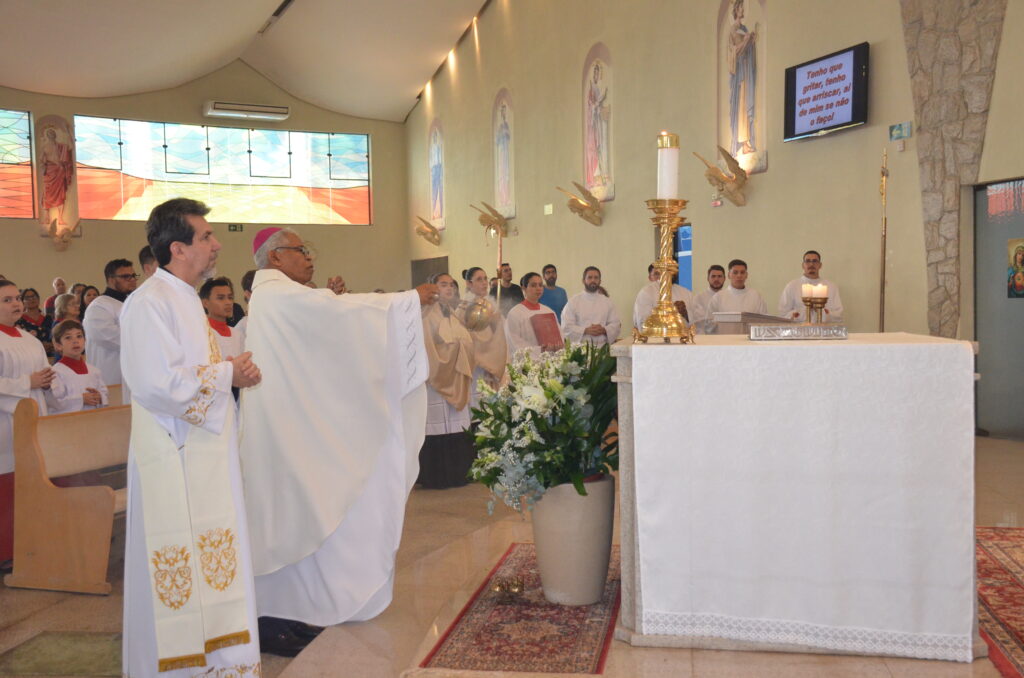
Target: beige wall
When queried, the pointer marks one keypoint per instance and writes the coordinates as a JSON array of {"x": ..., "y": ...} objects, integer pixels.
[
  {"x": 817, "y": 194},
  {"x": 1003, "y": 156},
  {"x": 368, "y": 256}
]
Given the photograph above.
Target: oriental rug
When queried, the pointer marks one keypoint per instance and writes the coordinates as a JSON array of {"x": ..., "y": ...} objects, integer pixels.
[
  {"x": 524, "y": 634},
  {"x": 64, "y": 653},
  {"x": 1000, "y": 563}
]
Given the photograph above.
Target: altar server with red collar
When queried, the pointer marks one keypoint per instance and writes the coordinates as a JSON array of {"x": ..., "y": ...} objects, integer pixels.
[
  {"x": 218, "y": 297},
  {"x": 77, "y": 385},
  {"x": 24, "y": 373}
]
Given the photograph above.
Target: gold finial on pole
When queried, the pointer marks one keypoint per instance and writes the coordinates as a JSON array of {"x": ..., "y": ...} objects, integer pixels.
[{"x": 882, "y": 189}]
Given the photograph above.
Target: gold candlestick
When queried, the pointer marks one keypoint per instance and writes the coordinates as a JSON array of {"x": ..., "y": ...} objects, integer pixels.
[
  {"x": 814, "y": 307},
  {"x": 665, "y": 322}
]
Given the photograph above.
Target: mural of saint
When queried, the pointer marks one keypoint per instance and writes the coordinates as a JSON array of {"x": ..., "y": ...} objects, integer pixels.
[
  {"x": 597, "y": 122},
  {"x": 504, "y": 158},
  {"x": 435, "y": 161},
  {"x": 58, "y": 169},
  {"x": 741, "y": 89},
  {"x": 1015, "y": 272}
]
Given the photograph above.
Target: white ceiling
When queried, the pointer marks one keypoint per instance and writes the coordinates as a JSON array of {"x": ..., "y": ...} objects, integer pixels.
[{"x": 368, "y": 58}]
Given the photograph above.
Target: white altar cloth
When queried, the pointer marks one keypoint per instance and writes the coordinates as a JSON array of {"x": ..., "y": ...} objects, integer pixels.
[{"x": 814, "y": 493}]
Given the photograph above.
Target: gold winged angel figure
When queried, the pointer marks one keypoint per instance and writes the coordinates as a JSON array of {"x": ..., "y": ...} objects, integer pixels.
[
  {"x": 587, "y": 208},
  {"x": 729, "y": 184},
  {"x": 426, "y": 230}
]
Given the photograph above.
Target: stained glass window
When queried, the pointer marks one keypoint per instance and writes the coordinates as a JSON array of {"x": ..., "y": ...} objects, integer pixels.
[
  {"x": 15, "y": 165},
  {"x": 126, "y": 167}
]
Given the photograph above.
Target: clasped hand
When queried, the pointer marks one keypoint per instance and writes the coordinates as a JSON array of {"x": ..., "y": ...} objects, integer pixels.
[
  {"x": 91, "y": 396},
  {"x": 245, "y": 372},
  {"x": 41, "y": 379}
]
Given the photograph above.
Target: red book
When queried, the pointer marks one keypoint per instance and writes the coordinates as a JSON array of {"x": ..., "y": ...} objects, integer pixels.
[{"x": 545, "y": 328}]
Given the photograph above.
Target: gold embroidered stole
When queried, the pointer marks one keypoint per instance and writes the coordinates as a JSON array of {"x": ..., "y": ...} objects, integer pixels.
[{"x": 199, "y": 595}]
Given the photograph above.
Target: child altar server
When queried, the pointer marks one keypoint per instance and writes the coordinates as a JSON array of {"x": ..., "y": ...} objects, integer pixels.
[{"x": 77, "y": 385}]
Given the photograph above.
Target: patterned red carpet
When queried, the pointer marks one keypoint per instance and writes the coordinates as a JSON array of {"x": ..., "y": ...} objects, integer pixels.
[
  {"x": 1001, "y": 596},
  {"x": 526, "y": 633}
]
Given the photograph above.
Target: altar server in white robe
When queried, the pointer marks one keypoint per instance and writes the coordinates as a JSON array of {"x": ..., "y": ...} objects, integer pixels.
[
  {"x": 189, "y": 607},
  {"x": 590, "y": 316},
  {"x": 102, "y": 320},
  {"x": 791, "y": 303},
  {"x": 24, "y": 373},
  {"x": 647, "y": 297},
  {"x": 331, "y": 437},
  {"x": 77, "y": 385},
  {"x": 737, "y": 296},
  {"x": 699, "y": 311},
  {"x": 519, "y": 326},
  {"x": 218, "y": 298}
]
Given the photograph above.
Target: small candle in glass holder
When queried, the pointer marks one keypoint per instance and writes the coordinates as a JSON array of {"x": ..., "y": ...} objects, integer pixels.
[
  {"x": 806, "y": 290},
  {"x": 820, "y": 291}
]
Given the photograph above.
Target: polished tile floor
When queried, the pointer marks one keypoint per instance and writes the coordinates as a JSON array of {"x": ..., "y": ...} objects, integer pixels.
[{"x": 449, "y": 545}]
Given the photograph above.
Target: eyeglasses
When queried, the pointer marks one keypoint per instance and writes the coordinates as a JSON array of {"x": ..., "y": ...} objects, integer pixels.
[
  {"x": 306, "y": 252},
  {"x": 127, "y": 276}
]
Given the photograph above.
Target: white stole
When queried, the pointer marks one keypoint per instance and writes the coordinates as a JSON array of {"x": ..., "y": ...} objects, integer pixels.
[{"x": 199, "y": 599}]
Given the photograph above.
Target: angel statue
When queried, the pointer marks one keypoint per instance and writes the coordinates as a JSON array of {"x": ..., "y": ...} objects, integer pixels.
[
  {"x": 587, "y": 208},
  {"x": 730, "y": 184},
  {"x": 493, "y": 221},
  {"x": 427, "y": 231}
]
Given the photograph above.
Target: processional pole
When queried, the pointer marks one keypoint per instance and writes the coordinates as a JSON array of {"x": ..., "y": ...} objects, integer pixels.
[{"x": 882, "y": 190}]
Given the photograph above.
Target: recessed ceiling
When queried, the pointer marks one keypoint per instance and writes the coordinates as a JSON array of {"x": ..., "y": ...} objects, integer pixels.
[{"x": 368, "y": 58}]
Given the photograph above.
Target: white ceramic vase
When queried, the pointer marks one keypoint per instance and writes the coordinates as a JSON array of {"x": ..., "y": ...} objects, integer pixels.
[{"x": 573, "y": 535}]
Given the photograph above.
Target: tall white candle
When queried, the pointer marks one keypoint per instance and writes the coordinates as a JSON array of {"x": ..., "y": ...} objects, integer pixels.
[{"x": 668, "y": 166}]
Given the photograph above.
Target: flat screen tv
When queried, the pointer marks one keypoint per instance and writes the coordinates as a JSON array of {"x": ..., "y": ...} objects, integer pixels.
[{"x": 827, "y": 94}]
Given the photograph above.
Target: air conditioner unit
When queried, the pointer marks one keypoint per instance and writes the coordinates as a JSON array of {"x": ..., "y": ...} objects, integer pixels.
[{"x": 227, "y": 109}]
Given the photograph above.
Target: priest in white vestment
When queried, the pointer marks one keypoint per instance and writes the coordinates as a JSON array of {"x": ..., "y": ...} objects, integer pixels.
[
  {"x": 590, "y": 316},
  {"x": 487, "y": 328},
  {"x": 189, "y": 605},
  {"x": 647, "y": 298},
  {"x": 520, "y": 331},
  {"x": 699, "y": 312},
  {"x": 24, "y": 373},
  {"x": 736, "y": 296},
  {"x": 330, "y": 438},
  {"x": 102, "y": 321},
  {"x": 791, "y": 303}
]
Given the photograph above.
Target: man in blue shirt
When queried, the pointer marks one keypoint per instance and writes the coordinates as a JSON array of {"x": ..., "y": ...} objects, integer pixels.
[{"x": 554, "y": 297}]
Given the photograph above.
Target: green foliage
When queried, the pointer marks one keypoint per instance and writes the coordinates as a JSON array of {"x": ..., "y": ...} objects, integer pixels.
[{"x": 548, "y": 425}]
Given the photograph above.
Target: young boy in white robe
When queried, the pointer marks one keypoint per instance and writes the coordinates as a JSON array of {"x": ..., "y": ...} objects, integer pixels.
[
  {"x": 218, "y": 297},
  {"x": 77, "y": 385}
]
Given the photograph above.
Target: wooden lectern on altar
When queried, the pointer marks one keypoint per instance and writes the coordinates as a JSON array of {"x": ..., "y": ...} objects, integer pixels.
[{"x": 739, "y": 322}]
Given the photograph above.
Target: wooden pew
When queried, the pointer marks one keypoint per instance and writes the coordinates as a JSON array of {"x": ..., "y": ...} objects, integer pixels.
[
  {"x": 114, "y": 395},
  {"x": 62, "y": 534}
]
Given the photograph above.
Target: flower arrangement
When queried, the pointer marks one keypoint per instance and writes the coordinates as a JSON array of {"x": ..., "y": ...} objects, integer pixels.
[{"x": 547, "y": 426}]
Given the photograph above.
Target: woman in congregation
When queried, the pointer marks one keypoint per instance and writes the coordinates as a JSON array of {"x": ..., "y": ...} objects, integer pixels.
[
  {"x": 24, "y": 373},
  {"x": 66, "y": 307},
  {"x": 447, "y": 451},
  {"x": 487, "y": 328},
  {"x": 33, "y": 320},
  {"x": 85, "y": 298},
  {"x": 525, "y": 326}
]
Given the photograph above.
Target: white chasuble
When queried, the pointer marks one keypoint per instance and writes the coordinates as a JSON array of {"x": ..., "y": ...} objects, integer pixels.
[
  {"x": 189, "y": 600},
  {"x": 330, "y": 445},
  {"x": 647, "y": 299},
  {"x": 731, "y": 299},
  {"x": 791, "y": 303},
  {"x": 586, "y": 309}
]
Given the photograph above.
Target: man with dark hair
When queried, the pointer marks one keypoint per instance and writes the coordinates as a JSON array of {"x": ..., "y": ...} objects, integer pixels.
[
  {"x": 185, "y": 503},
  {"x": 791, "y": 303},
  {"x": 737, "y": 296},
  {"x": 218, "y": 297},
  {"x": 511, "y": 293},
  {"x": 147, "y": 261},
  {"x": 647, "y": 298},
  {"x": 102, "y": 320},
  {"x": 591, "y": 316},
  {"x": 554, "y": 297},
  {"x": 699, "y": 314}
]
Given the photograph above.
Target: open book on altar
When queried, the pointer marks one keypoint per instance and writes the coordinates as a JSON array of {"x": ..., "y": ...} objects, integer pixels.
[
  {"x": 545, "y": 328},
  {"x": 739, "y": 322}
]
